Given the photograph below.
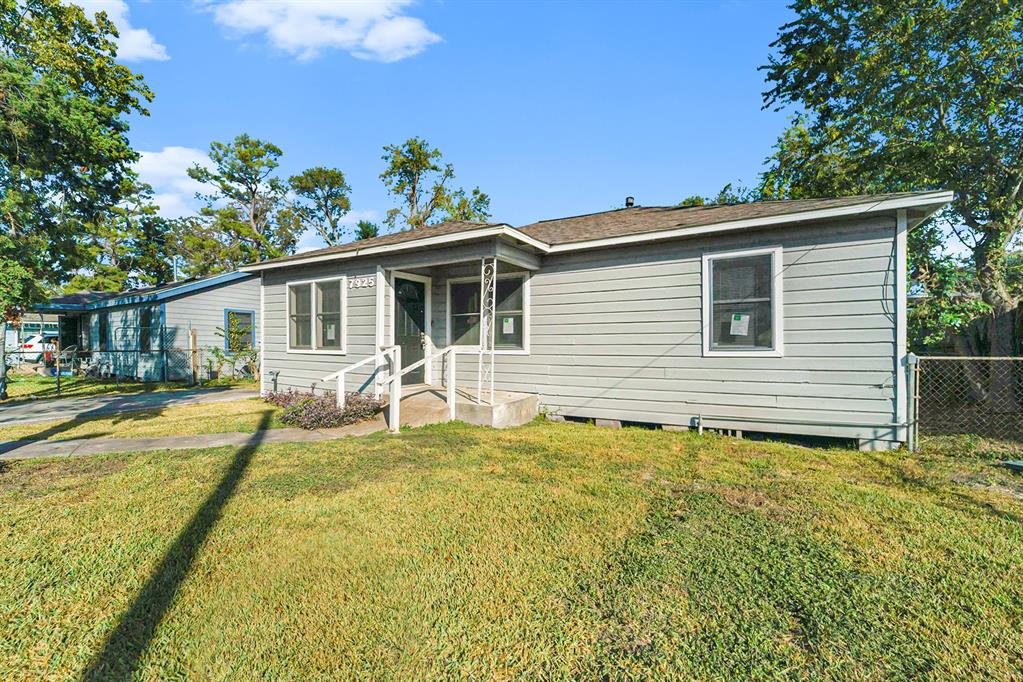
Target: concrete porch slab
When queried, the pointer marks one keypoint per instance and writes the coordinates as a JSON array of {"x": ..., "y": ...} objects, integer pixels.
[{"x": 422, "y": 404}]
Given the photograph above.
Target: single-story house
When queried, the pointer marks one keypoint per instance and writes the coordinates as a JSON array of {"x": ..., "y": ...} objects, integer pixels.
[
  {"x": 147, "y": 334},
  {"x": 784, "y": 317}
]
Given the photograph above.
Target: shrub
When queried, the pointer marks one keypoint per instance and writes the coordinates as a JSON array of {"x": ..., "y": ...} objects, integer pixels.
[{"x": 309, "y": 411}]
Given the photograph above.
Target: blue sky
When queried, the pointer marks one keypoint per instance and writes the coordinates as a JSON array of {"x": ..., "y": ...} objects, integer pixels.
[{"x": 553, "y": 109}]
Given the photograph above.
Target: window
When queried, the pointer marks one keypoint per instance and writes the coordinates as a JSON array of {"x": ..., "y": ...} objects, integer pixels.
[
  {"x": 511, "y": 304},
  {"x": 104, "y": 331},
  {"x": 145, "y": 329},
  {"x": 742, "y": 303},
  {"x": 239, "y": 330},
  {"x": 316, "y": 312}
]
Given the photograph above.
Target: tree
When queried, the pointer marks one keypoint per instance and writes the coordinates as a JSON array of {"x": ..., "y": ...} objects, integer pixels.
[
  {"x": 416, "y": 175},
  {"x": 15, "y": 283},
  {"x": 323, "y": 200},
  {"x": 817, "y": 161},
  {"x": 366, "y": 230},
  {"x": 729, "y": 194},
  {"x": 64, "y": 102},
  {"x": 128, "y": 245},
  {"x": 922, "y": 95},
  {"x": 246, "y": 217}
]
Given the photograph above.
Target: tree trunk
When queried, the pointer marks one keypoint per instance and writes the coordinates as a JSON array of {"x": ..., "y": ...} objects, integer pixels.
[
  {"x": 1000, "y": 326},
  {"x": 3, "y": 359}
]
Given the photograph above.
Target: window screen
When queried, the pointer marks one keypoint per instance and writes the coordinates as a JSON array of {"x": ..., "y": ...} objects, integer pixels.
[
  {"x": 328, "y": 315},
  {"x": 465, "y": 313},
  {"x": 104, "y": 331},
  {"x": 239, "y": 330},
  {"x": 741, "y": 302},
  {"x": 145, "y": 329},
  {"x": 301, "y": 312}
]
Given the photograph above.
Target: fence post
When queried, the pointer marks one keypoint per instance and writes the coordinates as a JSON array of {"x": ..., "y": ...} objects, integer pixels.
[
  {"x": 56, "y": 361},
  {"x": 193, "y": 347},
  {"x": 911, "y": 401}
]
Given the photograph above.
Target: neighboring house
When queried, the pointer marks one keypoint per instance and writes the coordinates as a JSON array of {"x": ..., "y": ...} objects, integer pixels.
[
  {"x": 143, "y": 334},
  {"x": 784, "y": 317}
]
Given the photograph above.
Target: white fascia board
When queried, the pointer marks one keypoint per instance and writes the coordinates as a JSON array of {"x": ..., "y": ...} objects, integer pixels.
[
  {"x": 439, "y": 240},
  {"x": 931, "y": 200}
]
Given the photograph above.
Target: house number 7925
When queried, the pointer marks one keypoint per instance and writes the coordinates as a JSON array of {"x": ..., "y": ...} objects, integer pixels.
[{"x": 360, "y": 282}]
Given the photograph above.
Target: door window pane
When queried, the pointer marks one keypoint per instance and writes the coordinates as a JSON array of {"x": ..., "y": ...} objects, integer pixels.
[
  {"x": 741, "y": 302},
  {"x": 300, "y": 324},
  {"x": 328, "y": 315}
]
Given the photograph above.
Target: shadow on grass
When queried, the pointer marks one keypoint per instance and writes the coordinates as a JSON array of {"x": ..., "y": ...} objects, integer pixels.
[
  {"x": 128, "y": 641},
  {"x": 49, "y": 432}
]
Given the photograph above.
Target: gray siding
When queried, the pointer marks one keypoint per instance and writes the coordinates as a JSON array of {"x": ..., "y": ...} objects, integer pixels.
[
  {"x": 616, "y": 333},
  {"x": 204, "y": 312}
]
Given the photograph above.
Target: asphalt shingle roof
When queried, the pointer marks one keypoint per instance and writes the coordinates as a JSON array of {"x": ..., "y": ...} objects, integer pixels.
[{"x": 616, "y": 223}]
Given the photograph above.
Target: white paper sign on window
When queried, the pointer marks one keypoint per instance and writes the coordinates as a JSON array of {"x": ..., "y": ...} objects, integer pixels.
[
  {"x": 508, "y": 325},
  {"x": 331, "y": 332},
  {"x": 740, "y": 325}
]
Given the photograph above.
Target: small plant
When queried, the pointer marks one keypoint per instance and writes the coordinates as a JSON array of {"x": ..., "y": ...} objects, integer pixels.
[{"x": 309, "y": 411}]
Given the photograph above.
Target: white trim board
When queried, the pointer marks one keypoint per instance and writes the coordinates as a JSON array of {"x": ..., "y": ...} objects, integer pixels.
[
  {"x": 777, "y": 304},
  {"x": 901, "y": 315},
  {"x": 343, "y": 279}
]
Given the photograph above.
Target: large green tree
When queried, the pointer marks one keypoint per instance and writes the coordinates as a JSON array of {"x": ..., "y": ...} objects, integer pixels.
[
  {"x": 246, "y": 217},
  {"x": 322, "y": 200},
  {"x": 64, "y": 150},
  {"x": 418, "y": 177},
  {"x": 915, "y": 94},
  {"x": 128, "y": 245}
]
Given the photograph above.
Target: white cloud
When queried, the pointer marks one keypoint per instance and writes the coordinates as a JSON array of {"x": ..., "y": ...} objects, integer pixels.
[
  {"x": 368, "y": 29},
  {"x": 311, "y": 240},
  {"x": 134, "y": 44},
  {"x": 166, "y": 170}
]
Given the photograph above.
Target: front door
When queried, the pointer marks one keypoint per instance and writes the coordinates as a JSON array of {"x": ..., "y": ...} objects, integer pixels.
[{"x": 410, "y": 326}]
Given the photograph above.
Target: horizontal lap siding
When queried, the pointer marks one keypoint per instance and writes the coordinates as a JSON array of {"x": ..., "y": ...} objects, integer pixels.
[
  {"x": 616, "y": 333},
  {"x": 303, "y": 371},
  {"x": 203, "y": 311}
]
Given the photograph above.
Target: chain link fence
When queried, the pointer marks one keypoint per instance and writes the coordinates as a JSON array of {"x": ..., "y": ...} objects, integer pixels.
[
  {"x": 170, "y": 365},
  {"x": 967, "y": 395}
]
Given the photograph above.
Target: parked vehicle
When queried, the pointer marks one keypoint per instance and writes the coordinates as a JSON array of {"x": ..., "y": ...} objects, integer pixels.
[{"x": 35, "y": 347}]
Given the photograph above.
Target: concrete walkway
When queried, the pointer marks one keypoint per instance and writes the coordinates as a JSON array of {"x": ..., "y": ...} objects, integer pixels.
[
  {"x": 81, "y": 447},
  {"x": 84, "y": 407}
]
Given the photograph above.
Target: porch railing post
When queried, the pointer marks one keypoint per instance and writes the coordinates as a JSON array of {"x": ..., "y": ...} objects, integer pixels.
[
  {"x": 394, "y": 408},
  {"x": 912, "y": 401},
  {"x": 452, "y": 397},
  {"x": 340, "y": 390}
]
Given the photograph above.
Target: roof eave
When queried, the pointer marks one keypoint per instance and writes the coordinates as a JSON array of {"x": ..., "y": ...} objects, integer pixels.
[
  {"x": 153, "y": 297},
  {"x": 425, "y": 242},
  {"x": 929, "y": 202}
]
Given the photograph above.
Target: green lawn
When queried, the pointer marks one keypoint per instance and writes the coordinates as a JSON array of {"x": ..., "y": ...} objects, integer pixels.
[
  {"x": 548, "y": 551},
  {"x": 29, "y": 386},
  {"x": 185, "y": 420}
]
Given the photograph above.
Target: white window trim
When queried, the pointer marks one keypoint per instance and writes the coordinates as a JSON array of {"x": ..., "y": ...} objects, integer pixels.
[
  {"x": 312, "y": 318},
  {"x": 525, "y": 277},
  {"x": 777, "y": 305}
]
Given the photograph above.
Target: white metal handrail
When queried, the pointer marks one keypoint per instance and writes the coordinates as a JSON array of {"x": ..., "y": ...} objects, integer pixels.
[
  {"x": 339, "y": 376},
  {"x": 393, "y": 354},
  {"x": 394, "y": 400}
]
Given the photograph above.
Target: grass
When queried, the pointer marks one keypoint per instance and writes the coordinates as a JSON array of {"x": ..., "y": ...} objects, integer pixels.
[
  {"x": 548, "y": 551},
  {"x": 33, "y": 386},
  {"x": 185, "y": 420}
]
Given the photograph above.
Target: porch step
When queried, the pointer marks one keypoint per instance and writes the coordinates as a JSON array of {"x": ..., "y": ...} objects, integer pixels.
[{"x": 421, "y": 404}]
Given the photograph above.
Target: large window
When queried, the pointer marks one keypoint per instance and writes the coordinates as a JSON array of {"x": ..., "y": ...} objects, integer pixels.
[
  {"x": 104, "y": 330},
  {"x": 145, "y": 329},
  {"x": 512, "y": 315},
  {"x": 742, "y": 303},
  {"x": 239, "y": 330},
  {"x": 316, "y": 315}
]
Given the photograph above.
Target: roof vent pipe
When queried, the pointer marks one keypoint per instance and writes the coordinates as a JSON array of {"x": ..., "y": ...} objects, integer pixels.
[{"x": 630, "y": 202}]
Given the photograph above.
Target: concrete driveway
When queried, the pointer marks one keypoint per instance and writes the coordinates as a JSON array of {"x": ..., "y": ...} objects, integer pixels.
[{"x": 51, "y": 409}]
